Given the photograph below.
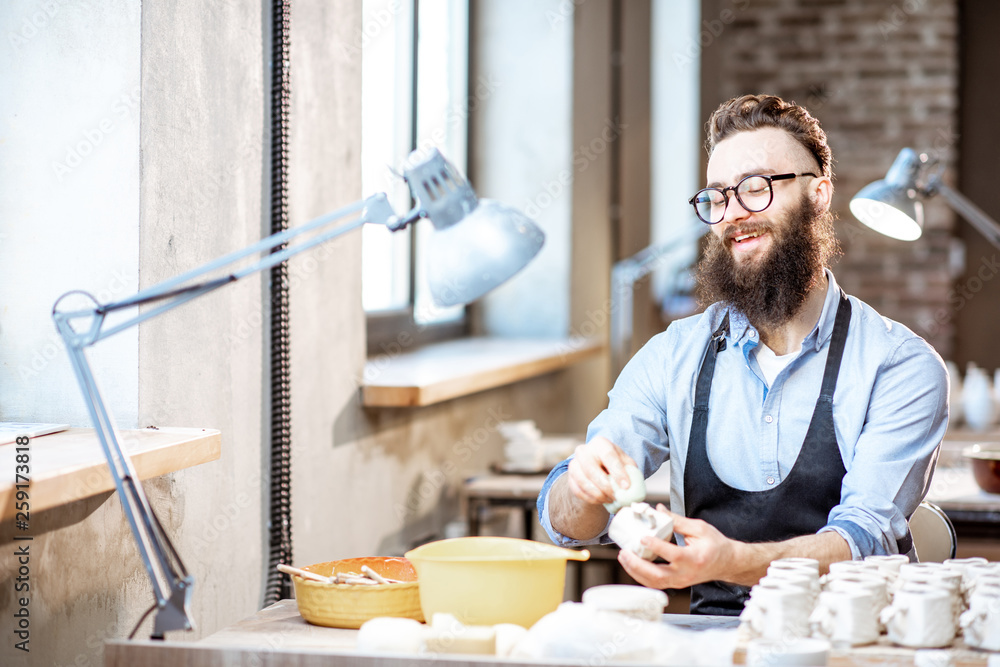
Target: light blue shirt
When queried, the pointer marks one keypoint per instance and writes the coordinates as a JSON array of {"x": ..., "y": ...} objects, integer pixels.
[{"x": 890, "y": 412}]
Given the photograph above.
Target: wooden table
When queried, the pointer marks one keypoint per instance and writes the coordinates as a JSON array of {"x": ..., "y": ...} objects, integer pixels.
[
  {"x": 278, "y": 636},
  {"x": 70, "y": 465}
]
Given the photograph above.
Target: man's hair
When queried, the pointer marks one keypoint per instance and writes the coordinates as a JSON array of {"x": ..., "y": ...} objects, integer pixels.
[{"x": 752, "y": 112}]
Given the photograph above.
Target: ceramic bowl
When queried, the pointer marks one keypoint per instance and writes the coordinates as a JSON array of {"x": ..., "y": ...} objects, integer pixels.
[
  {"x": 350, "y": 605},
  {"x": 985, "y": 459},
  {"x": 490, "y": 580}
]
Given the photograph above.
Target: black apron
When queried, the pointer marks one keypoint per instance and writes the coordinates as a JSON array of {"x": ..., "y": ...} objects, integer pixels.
[{"x": 799, "y": 505}]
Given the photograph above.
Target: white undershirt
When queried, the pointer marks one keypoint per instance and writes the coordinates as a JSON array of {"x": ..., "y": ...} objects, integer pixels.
[{"x": 770, "y": 363}]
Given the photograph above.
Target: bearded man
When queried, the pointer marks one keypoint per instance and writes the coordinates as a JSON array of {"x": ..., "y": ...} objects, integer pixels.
[{"x": 797, "y": 421}]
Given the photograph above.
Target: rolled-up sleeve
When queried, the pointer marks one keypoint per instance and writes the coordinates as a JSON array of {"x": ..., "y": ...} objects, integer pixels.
[
  {"x": 896, "y": 452},
  {"x": 635, "y": 420}
]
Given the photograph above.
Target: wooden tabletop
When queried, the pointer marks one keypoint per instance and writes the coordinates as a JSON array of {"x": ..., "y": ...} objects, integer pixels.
[
  {"x": 278, "y": 636},
  {"x": 70, "y": 465}
]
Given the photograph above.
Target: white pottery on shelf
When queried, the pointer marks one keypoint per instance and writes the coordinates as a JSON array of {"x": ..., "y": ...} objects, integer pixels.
[
  {"x": 977, "y": 399},
  {"x": 955, "y": 413}
]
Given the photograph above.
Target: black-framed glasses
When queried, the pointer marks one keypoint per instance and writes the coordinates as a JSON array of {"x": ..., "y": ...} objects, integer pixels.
[{"x": 753, "y": 192}]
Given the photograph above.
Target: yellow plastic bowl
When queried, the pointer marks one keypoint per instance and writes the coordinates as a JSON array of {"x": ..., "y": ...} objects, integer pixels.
[
  {"x": 490, "y": 580},
  {"x": 350, "y": 605}
]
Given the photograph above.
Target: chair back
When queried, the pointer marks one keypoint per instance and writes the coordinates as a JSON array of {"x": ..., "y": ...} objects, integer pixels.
[{"x": 933, "y": 534}]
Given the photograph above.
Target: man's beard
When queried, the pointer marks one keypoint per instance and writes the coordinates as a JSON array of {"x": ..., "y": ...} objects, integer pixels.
[{"x": 771, "y": 289}]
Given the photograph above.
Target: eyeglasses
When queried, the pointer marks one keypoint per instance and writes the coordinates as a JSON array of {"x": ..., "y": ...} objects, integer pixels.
[{"x": 753, "y": 192}]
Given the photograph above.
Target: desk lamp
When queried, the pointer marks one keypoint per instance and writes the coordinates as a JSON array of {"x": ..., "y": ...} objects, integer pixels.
[
  {"x": 624, "y": 275},
  {"x": 477, "y": 245},
  {"x": 893, "y": 206}
]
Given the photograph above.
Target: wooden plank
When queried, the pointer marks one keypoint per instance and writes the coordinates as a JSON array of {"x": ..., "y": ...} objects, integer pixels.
[
  {"x": 70, "y": 466},
  {"x": 457, "y": 368}
]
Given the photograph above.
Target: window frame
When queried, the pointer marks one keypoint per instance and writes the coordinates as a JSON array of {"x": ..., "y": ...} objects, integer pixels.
[{"x": 393, "y": 329}]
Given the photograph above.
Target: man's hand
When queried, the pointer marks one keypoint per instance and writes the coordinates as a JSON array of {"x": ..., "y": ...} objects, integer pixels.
[
  {"x": 591, "y": 469},
  {"x": 708, "y": 555},
  {"x": 576, "y": 499}
]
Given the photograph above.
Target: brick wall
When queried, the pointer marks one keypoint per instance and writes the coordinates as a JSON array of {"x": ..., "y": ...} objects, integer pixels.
[{"x": 879, "y": 75}]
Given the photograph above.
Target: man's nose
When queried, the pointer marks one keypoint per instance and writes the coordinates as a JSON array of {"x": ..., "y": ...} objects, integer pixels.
[{"x": 735, "y": 212}]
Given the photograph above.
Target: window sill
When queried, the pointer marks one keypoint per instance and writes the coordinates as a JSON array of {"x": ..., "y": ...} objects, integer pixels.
[
  {"x": 70, "y": 465},
  {"x": 456, "y": 368}
]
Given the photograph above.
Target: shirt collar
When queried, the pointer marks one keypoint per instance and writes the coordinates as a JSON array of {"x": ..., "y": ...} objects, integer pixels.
[{"x": 740, "y": 329}]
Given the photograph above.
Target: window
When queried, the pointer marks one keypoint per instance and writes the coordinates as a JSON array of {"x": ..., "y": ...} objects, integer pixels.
[{"x": 414, "y": 94}]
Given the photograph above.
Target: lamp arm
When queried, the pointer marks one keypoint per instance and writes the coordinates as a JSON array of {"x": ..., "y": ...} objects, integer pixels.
[
  {"x": 986, "y": 225},
  {"x": 624, "y": 274},
  {"x": 172, "y": 585}
]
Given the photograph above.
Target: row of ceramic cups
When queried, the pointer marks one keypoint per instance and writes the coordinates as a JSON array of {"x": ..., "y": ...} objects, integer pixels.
[{"x": 919, "y": 605}]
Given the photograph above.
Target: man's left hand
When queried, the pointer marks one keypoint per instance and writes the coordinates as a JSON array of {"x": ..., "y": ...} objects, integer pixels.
[{"x": 707, "y": 555}]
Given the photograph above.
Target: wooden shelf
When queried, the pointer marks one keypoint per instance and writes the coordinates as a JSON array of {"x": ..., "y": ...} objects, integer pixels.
[
  {"x": 70, "y": 465},
  {"x": 461, "y": 367}
]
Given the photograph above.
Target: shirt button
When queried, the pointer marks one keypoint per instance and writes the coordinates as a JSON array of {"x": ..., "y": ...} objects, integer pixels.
[
  {"x": 769, "y": 419},
  {"x": 770, "y": 480}
]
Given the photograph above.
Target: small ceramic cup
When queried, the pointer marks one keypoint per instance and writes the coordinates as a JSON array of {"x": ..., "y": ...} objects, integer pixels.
[
  {"x": 921, "y": 618},
  {"x": 870, "y": 580},
  {"x": 981, "y": 622},
  {"x": 846, "y": 617},
  {"x": 777, "y": 613},
  {"x": 795, "y": 564},
  {"x": 636, "y": 601},
  {"x": 805, "y": 580},
  {"x": 888, "y": 566},
  {"x": 637, "y": 521}
]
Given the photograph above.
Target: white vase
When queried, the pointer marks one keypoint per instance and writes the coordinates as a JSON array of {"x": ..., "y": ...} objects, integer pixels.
[
  {"x": 977, "y": 399},
  {"x": 955, "y": 411},
  {"x": 996, "y": 395}
]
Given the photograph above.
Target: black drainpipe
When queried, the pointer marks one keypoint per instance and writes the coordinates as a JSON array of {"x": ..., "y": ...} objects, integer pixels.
[{"x": 280, "y": 525}]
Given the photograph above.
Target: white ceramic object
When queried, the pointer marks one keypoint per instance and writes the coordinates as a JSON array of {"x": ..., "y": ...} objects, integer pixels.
[
  {"x": 921, "y": 618},
  {"x": 637, "y": 521},
  {"x": 791, "y": 579},
  {"x": 846, "y": 617},
  {"x": 635, "y": 493},
  {"x": 778, "y": 613},
  {"x": 391, "y": 635},
  {"x": 977, "y": 399},
  {"x": 787, "y": 653},
  {"x": 795, "y": 564},
  {"x": 996, "y": 391},
  {"x": 932, "y": 657},
  {"x": 981, "y": 622},
  {"x": 639, "y": 602},
  {"x": 955, "y": 412}
]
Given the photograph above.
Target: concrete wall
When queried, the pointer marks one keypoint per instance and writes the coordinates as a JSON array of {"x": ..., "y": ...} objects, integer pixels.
[{"x": 365, "y": 481}]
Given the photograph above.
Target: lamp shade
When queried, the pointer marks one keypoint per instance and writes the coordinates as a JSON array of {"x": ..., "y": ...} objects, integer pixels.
[
  {"x": 890, "y": 206},
  {"x": 470, "y": 257},
  {"x": 477, "y": 244}
]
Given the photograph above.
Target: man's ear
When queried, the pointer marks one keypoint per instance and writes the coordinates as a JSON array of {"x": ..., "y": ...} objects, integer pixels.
[{"x": 823, "y": 191}]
